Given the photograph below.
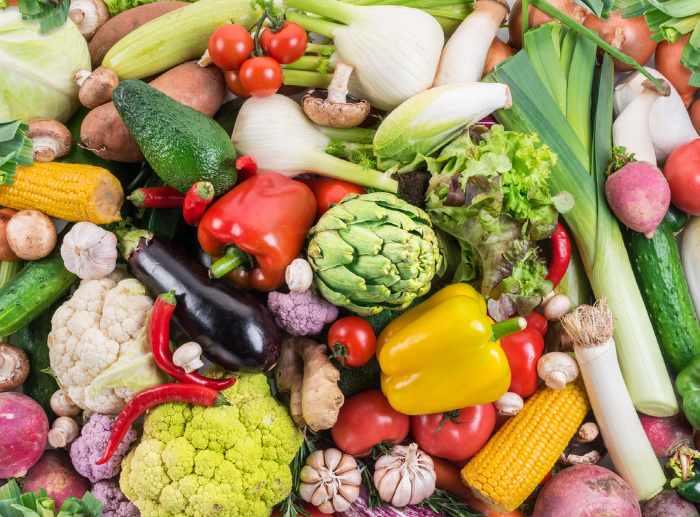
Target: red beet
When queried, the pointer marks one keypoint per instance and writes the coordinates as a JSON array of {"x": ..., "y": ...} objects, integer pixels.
[
  {"x": 667, "y": 435},
  {"x": 54, "y": 472},
  {"x": 587, "y": 491},
  {"x": 668, "y": 504},
  {"x": 24, "y": 431}
]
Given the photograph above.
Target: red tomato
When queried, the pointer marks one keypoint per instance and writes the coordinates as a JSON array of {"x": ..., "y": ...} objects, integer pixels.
[
  {"x": 286, "y": 45},
  {"x": 352, "y": 341},
  {"x": 230, "y": 46},
  {"x": 329, "y": 191},
  {"x": 682, "y": 171},
  {"x": 365, "y": 420},
  {"x": 537, "y": 321},
  {"x": 462, "y": 434},
  {"x": 233, "y": 82},
  {"x": 261, "y": 76}
]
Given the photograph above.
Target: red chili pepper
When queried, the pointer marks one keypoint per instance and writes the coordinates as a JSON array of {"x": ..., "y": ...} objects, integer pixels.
[
  {"x": 175, "y": 392},
  {"x": 196, "y": 202},
  {"x": 266, "y": 219},
  {"x": 523, "y": 349},
  {"x": 247, "y": 168},
  {"x": 561, "y": 255},
  {"x": 159, "y": 336},
  {"x": 157, "y": 197}
]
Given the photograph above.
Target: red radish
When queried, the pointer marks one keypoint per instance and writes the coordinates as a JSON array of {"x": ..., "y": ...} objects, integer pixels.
[
  {"x": 668, "y": 504},
  {"x": 667, "y": 435},
  {"x": 639, "y": 196},
  {"x": 25, "y": 429},
  {"x": 586, "y": 491},
  {"x": 54, "y": 472}
]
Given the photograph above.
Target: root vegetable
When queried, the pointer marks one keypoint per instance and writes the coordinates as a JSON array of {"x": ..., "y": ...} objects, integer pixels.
[
  {"x": 31, "y": 234},
  {"x": 51, "y": 139},
  {"x": 668, "y": 62},
  {"x": 586, "y": 490},
  {"x": 313, "y": 386},
  {"x": 122, "y": 24},
  {"x": 24, "y": 430},
  {"x": 667, "y": 435},
  {"x": 631, "y": 36},
  {"x": 537, "y": 17},
  {"x": 89, "y": 16},
  {"x": 14, "y": 367},
  {"x": 6, "y": 253},
  {"x": 105, "y": 134},
  {"x": 498, "y": 51},
  {"x": 668, "y": 504},
  {"x": 54, "y": 472}
]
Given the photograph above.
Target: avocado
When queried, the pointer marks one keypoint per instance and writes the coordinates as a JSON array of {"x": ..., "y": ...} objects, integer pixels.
[{"x": 182, "y": 145}]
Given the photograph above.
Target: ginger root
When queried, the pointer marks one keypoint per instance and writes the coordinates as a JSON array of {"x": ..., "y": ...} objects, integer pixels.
[{"x": 305, "y": 372}]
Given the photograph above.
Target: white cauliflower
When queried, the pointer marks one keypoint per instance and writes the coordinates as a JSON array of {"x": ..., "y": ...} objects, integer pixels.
[{"x": 91, "y": 331}]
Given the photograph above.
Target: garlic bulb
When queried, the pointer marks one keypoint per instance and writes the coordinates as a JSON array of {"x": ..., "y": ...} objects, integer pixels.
[
  {"x": 404, "y": 476},
  {"x": 89, "y": 251},
  {"x": 330, "y": 480}
]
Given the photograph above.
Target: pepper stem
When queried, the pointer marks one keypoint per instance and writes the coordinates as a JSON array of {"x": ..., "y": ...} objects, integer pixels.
[
  {"x": 220, "y": 400},
  {"x": 234, "y": 258},
  {"x": 507, "y": 327},
  {"x": 169, "y": 297}
]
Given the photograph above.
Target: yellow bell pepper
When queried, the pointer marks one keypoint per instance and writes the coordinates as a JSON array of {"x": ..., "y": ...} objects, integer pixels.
[{"x": 444, "y": 354}]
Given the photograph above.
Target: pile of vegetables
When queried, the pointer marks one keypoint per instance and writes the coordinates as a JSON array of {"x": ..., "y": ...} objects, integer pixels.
[{"x": 311, "y": 258}]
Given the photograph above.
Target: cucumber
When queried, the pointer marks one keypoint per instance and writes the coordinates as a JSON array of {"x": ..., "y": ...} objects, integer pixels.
[
  {"x": 676, "y": 218},
  {"x": 40, "y": 284},
  {"x": 657, "y": 267},
  {"x": 33, "y": 340}
]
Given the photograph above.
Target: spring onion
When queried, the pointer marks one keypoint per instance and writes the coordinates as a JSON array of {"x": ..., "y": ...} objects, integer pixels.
[
  {"x": 591, "y": 330},
  {"x": 277, "y": 133},
  {"x": 690, "y": 257}
]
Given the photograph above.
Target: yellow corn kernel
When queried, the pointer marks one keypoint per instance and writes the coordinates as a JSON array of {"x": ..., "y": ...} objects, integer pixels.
[
  {"x": 509, "y": 467},
  {"x": 72, "y": 192}
]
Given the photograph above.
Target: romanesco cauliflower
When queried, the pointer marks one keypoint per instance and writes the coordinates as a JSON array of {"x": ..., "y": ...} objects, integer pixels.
[{"x": 222, "y": 461}]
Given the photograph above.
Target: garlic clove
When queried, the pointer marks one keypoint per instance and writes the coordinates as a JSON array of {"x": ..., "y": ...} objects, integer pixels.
[
  {"x": 347, "y": 463},
  {"x": 332, "y": 458},
  {"x": 316, "y": 460},
  {"x": 328, "y": 507},
  {"x": 402, "y": 494},
  {"x": 388, "y": 483},
  {"x": 320, "y": 496},
  {"x": 385, "y": 462},
  {"x": 418, "y": 490},
  {"x": 309, "y": 474},
  {"x": 307, "y": 490},
  {"x": 349, "y": 492},
  {"x": 340, "y": 504},
  {"x": 352, "y": 477}
]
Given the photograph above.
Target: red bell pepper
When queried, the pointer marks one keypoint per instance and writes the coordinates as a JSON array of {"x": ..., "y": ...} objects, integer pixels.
[
  {"x": 523, "y": 349},
  {"x": 263, "y": 221},
  {"x": 536, "y": 321}
]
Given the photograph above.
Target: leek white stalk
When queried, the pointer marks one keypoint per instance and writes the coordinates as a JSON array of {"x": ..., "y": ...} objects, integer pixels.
[
  {"x": 394, "y": 50},
  {"x": 669, "y": 121},
  {"x": 432, "y": 118},
  {"x": 591, "y": 329},
  {"x": 464, "y": 55},
  {"x": 277, "y": 133},
  {"x": 690, "y": 257},
  {"x": 631, "y": 128}
]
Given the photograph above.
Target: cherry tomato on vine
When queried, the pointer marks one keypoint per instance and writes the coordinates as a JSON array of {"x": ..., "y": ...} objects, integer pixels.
[
  {"x": 261, "y": 76},
  {"x": 230, "y": 46},
  {"x": 352, "y": 341},
  {"x": 286, "y": 45},
  {"x": 328, "y": 191},
  {"x": 233, "y": 82}
]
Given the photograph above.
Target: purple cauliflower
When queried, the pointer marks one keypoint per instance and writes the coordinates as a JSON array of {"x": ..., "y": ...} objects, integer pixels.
[
  {"x": 114, "y": 502},
  {"x": 301, "y": 314},
  {"x": 91, "y": 444}
]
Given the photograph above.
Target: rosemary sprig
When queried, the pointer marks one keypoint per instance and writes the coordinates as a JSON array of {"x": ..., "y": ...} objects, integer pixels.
[
  {"x": 292, "y": 504},
  {"x": 366, "y": 466},
  {"x": 448, "y": 505}
]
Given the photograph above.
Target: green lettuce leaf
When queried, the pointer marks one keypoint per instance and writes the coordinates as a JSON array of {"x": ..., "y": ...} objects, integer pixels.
[{"x": 119, "y": 6}]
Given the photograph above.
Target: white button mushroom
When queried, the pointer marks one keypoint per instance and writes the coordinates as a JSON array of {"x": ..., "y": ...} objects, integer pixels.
[
  {"x": 62, "y": 405},
  {"x": 63, "y": 432},
  {"x": 509, "y": 404},
  {"x": 188, "y": 357},
  {"x": 299, "y": 276},
  {"x": 557, "y": 369},
  {"x": 557, "y": 307}
]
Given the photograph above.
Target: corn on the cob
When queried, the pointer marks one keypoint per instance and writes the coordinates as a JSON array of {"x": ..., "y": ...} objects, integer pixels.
[
  {"x": 516, "y": 458},
  {"x": 72, "y": 192}
]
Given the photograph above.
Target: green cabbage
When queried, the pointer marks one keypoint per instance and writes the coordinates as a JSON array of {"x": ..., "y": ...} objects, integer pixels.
[{"x": 36, "y": 70}]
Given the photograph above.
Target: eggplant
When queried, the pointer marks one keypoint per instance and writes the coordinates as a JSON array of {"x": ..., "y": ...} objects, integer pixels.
[{"x": 233, "y": 328}]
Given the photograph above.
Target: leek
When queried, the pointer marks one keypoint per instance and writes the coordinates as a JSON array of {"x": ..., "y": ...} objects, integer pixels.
[
  {"x": 591, "y": 330},
  {"x": 690, "y": 257},
  {"x": 594, "y": 226}
]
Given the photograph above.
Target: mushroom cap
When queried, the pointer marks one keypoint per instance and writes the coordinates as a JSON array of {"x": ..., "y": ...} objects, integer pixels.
[
  {"x": 53, "y": 129},
  {"x": 343, "y": 115},
  {"x": 89, "y": 16},
  {"x": 578, "y": 452},
  {"x": 186, "y": 353},
  {"x": 97, "y": 88},
  {"x": 31, "y": 234},
  {"x": 19, "y": 373}
]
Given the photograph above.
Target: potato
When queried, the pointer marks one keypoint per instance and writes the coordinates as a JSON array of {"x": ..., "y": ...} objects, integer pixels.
[
  {"x": 123, "y": 23},
  {"x": 104, "y": 133}
]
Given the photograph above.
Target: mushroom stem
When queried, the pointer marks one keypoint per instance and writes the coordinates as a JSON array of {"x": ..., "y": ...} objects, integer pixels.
[
  {"x": 556, "y": 369},
  {"x": 45, "y": 149},
  {"x": 188, "y": 357},
  {"x": 63, "y": 432},
  {"x": 81, "y": 74},
  {"x": 77, "y": 16},
  {"x": 89, "y": 16},
  {"x": 338, "y": 89},
  {"x": 587, "y": 432},
  {"x": 51, "y": 139}
]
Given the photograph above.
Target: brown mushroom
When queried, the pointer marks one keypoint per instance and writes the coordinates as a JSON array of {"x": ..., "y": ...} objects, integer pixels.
[
  {"x": 51, "y": 139},
  {"x": 586, "y": 447},
  {"x": 62, "y": 405},
  {"x": 96, "y": 88},
  {"x": 334, "y": 107},
  {"x": 14, "y": 367},
  {"x": 89, "y": 16},
  {"x": 64, "y": 431},
  {"x": 31, "y": 234}
]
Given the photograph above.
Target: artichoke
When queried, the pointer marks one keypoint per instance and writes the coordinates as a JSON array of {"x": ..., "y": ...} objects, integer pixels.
[{"x": 372, "y": 252}]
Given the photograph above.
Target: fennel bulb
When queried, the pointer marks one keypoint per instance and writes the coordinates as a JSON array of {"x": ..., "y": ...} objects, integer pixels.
[
  {"x": 37, "y": 69},
  {"x": 277, "y": 133},
  {"x": 395, "y": 50},
  {"x": 432, "y": 118}
]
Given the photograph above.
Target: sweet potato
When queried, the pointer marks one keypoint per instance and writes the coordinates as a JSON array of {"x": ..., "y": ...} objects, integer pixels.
[
  {"x": 105, "y": 134},
  {"x": 122, "y": 24}
]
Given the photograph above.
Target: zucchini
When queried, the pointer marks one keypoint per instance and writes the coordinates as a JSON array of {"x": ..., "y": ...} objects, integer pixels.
[
  {"x": 33, "y": 340},
  {"x": 38, "y": 286},
  {"x": 162, "y": 222},
  {"x": 657, "y": 267}
]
